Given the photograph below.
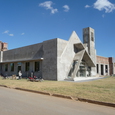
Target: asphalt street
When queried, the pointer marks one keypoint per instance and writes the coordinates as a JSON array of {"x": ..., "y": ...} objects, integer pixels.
[{"x": 15, "y": 102}]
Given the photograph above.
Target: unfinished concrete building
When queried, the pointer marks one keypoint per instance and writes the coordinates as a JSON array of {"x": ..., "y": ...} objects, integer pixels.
[{"x": 57, "y": 59}]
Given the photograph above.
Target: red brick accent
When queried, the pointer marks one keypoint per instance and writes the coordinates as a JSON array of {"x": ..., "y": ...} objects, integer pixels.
[
  {"x": 3, "y": 46},
  {"x": 102, "y": 60},
  {"x": 111, "y": 65}
]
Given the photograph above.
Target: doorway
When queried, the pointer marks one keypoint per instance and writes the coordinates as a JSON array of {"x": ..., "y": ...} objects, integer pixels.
[
  {"x": 19, "y": 68},
  {"x": 102, "y": 72}
]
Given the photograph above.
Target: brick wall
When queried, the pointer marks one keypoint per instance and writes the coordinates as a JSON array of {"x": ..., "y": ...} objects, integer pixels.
[
  {"x": 3, "y": 46},
  {"x": 111, "y": 65},
  {"x": 102, "y": 60}
]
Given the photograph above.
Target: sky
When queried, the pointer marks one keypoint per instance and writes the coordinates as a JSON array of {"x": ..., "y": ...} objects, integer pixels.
[{"x": 27, "y": 22}]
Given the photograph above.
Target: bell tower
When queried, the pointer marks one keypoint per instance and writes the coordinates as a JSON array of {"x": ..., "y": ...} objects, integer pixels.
[{"x": 89, "y": 39}]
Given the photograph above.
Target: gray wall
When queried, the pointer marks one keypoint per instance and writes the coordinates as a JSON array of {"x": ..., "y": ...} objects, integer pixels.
[
  {"x": 28, "y": 52},
  {"x": 65, "y": 55},
  {"x": 24, "y": 73},
  {"x": 19, "y": 55},
  {"x": 61, "y": 65},
  {"x": 46, "y": 50},
  {"x": 49, "y": 64}
]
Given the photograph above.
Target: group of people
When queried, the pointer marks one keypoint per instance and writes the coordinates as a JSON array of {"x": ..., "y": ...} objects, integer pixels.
[{"x": 20, "y": 74}]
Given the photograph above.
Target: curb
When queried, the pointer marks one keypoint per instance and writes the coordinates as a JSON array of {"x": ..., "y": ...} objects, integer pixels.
[
  {"x": 97, "y": 102},
  {"x": 33, "y": 91},
  {"x": 3, "y": 86},
  {"x": 64, "y": 96}
]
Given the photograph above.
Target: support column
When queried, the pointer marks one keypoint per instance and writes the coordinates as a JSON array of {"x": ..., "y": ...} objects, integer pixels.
[
  {"x": 108, "y": 70},
  {"x": 78, "y": 75},
  {"x": 1, "y": 58},
  {"x": 113, "y": 68},
  {"x": 23, "y": 67},
  {"x": 99, "y": 69},
  {"x": 104, "y": 73}
]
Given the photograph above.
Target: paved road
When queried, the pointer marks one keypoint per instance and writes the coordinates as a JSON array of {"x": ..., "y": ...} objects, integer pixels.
[{"x": 15, "y": 102}]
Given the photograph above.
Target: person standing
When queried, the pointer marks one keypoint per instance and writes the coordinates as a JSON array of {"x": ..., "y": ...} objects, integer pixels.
[
  {"x": 32, "y": 74},
  {"x": 20, "y": 74}
]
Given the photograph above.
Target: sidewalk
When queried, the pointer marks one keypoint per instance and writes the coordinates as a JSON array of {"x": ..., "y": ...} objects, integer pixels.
[{"x": 84, "y": 79}]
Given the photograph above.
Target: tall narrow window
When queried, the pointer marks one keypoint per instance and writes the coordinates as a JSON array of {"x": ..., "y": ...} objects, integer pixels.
[
  {"x": 97, "y": 68},
  {"x": 37, "y": 66},
  {"x": 12, "y": 66},
  {"x": 106, "y": 68},
  {"x": 27, "y": 66},
  {"x": 6, "y": 67},
  {"x": 92, "y": 36}
]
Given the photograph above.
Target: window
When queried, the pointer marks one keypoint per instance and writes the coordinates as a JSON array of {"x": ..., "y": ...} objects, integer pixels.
[
  {"x": 37, "y": 66},
  {"x": 27, "y": 66},
  {"x": 12, "y": 66},
  {"x": 97, "y": 68},
  {"x": 6, "y": 67},
  {"x": 92, "y": 36},
  {"x": 106, "y": 68},
  {"x": 19, "y": 63}
]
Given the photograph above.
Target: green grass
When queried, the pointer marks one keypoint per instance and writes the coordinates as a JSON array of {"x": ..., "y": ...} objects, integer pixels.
[{"x": 99, "y": 90}]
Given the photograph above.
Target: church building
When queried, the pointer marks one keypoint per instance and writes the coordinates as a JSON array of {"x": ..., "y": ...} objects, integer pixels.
[{"x": 57, "y": 59}]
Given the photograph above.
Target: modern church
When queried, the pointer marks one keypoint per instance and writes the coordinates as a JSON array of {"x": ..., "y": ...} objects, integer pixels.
[{"x": 57, "y": 59}]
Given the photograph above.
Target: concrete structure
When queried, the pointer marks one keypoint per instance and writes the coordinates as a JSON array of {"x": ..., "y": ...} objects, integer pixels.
[
  {"x": 57, "y": 59},
  {"x": 89, "y": 39}
]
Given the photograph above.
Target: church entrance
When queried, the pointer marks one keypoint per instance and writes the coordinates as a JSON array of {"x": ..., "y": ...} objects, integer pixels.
[{"x": 19, "y": 66}]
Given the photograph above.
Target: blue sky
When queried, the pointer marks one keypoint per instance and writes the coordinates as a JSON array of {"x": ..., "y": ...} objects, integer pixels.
[{"x": 26, "y": 22}]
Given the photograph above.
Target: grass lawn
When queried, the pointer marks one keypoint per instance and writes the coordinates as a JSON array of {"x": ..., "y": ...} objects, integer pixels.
[{"x": 99, "y": 90}]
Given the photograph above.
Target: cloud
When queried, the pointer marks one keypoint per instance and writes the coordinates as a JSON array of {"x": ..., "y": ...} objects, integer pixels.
[
  {"x": 22, "y": 33},
  {"x": 6, "y": 32},
  {"x": 11, "y": 34},
  {"x": 87, "y": 6},
  {"x": 53, "y": 11},
  {"x": 66, "y": 8},
  {"x": 48, "y": 6},
  {"x": 104, "y": 5}
]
